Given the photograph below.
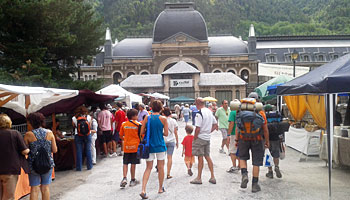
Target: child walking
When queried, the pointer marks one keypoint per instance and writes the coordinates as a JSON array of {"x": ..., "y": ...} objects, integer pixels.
[
  {"x": 187, "y": 149},
  {"x": 129, "y": 133}
]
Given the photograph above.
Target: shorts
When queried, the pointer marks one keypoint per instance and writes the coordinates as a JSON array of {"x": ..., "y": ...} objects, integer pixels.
[
  {"x": 224, "y": 133},
  {"x": 189, "y": 160},
  {"x": 159, "y": 156},
  {"x": 116, "y": 137},
  {"x": 37, "y": 179},
  {"x": 200, "y": 147},
  {"x": 187, "y": 117},
  {"x": 130, "y": 158},
  {"x": 170, "y": 148},
  {"x": 232, "y": 147},
  {"x": 257, "y": 148},
  {"x": 106, "y": 136},
  {"x": 275, "y": 148}
]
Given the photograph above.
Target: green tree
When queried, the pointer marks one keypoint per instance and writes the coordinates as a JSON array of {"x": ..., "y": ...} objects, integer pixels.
[{"x": 51, "y": 34}]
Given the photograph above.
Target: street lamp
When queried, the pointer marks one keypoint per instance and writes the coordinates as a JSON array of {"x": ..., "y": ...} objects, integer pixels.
[{"x": 295, "y": 56}]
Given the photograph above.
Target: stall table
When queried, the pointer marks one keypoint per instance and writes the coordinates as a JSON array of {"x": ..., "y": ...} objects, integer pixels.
[
  {"x": 65, "y": 157},
  {"x": 341, "y": 150},
  {"x": 303, "y": 141},
  {"x": 22, "y": 187}
]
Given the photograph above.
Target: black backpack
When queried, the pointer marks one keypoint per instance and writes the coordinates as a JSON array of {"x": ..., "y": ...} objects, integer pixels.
[
  {"x": 83, "y": 126},
  {"x": 41, "y": 159},
  {"x": 41, "y": 163}
]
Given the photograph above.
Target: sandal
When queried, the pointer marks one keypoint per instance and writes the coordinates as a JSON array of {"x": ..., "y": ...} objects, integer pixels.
[
  {"x": 212, "y": 180},
  {"x": 168, "y": 177},
  {"x": 143, "y": 196},
  {"x": 163, "y": 190},
  {"x": 196, "y": 181}
]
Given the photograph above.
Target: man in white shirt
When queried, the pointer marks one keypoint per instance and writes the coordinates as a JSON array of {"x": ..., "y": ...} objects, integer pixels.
[{"x": 205, "y": 123}]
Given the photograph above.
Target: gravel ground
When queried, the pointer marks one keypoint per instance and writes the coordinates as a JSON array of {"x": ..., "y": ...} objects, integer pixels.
[{"x": 301, "y": 180}]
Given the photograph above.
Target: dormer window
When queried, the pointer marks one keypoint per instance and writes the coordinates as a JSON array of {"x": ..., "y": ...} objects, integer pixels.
[
  {"x": 271, "y": 58},
  {"x": 321, "y": 58},
  {"x": 306, "y": 58},
  {"x": 288, "y": 58}
]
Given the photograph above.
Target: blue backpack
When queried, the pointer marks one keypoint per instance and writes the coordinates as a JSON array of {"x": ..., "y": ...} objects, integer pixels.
[{"x": 249, "y": 124}]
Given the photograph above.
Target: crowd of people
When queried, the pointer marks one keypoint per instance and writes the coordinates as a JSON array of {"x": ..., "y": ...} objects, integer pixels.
[{"x": 108, "y": 128}]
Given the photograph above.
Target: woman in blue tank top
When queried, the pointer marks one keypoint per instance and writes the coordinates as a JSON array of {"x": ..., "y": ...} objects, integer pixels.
[{"x": 157, "y": 148}]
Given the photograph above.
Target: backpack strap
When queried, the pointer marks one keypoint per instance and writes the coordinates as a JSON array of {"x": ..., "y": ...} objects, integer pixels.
[
  {"x": 39, "y": 133},
  {"x": 138, "y": 129},
  {"x": 148, "y": 129}
]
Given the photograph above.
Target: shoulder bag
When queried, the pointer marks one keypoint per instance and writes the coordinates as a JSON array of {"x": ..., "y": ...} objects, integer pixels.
[{"x": 143, "y": 148}]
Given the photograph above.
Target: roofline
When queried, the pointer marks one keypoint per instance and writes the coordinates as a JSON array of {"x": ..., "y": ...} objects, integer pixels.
[
  {"x": 179, "y": 33},
  {"x": 222, "y": 85},
  {"x": 143, "y": 86},
  {"x": 131, "y": 57},
  {"x": 181, "y": 73},
  {"x": 302, "y": 37},
  {"x": 227, "y": 55}
]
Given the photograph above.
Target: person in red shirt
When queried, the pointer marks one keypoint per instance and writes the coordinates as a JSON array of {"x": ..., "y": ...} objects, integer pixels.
[
  {"x": 120, "y": 117},
  {"x": 187, "y": 149}
]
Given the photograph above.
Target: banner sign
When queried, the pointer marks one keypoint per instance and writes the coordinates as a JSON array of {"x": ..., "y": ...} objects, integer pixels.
[
  {"x": 181, "y": 83},
  {"x": 276, "y": 70}
]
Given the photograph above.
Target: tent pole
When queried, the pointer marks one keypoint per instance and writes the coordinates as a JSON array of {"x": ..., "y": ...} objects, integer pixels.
[
  {"x": 330, "y": 122},
  {"x": 54, "y": 123}
]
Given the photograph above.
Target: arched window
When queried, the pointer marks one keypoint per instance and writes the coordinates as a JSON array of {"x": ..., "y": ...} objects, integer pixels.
[
  {"x": 130, "y": 73},
  {"x": 217, "y": 71},
  {"x": 144, "y": 73},
  {"x": 90, "y": 77},
  {"x": 94, "y": 77},
  {"x": 232, "y": 71},
  {"x": 245, "y": 75},
  {"x": 86, "y": 78},
  {"x": 117, "y": 77},
  {"x": 335, "y": 56},
  {"x": 238, "y": 94},
  {"x": 306, "y": 58}
]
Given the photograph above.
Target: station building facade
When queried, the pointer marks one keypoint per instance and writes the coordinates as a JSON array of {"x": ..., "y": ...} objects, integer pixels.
[{"x": 180, "y": 51}]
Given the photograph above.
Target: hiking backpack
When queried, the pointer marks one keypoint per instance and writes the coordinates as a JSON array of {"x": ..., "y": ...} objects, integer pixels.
[
  {"x": 249, "y": 122},
  {"x": 83, "y": 126}
]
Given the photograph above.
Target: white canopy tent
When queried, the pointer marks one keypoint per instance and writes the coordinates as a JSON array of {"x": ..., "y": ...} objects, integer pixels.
[
  {"x": 25, "y": 100},
  {"x": 117, "y": 90},
  {"x": 159, "y": 96}
]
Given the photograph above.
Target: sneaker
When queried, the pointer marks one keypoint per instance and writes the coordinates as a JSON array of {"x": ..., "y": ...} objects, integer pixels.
[
  {"x": 114, "y": 154},
  {"x": 278, "y": 172},
  {"x": 134, "y": 182},
  {"x": 222, "y": 151},
  {"x": 269, "y": 174},
  {"x": 110, "y": 155},
  {"x": 232, "y": 170},
  {"x": 123, "y": 183},
  {"x": 256, "y": 187},
  {"x": 245, "y": 181},
  {"x": 120, "y": 154}
]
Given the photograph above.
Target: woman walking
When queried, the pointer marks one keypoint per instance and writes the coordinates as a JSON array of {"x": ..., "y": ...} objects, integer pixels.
[
  {"x": 37, "y": 139},
  {"x": 186, "y": 113},
  {"x": 170, "y": 139},
  {"x": 157, "y": 147}
]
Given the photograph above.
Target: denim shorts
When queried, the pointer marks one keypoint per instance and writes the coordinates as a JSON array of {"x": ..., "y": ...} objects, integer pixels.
[
  {"x": 37, "y": 179},
  {"x": 170, "y": 148}
]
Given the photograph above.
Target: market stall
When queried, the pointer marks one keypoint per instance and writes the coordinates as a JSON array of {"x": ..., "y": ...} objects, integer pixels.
[
  {"x": 320, "y": 87},
  {"x": 124, "y": 95},
  {"x": 23, "y": 100}
]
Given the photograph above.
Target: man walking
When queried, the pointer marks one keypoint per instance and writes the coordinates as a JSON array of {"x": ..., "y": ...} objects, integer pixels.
[
  {"x": 205, "y": 124},
  {"x": 253, "y": 142},
  {"x": 222, "y": 116}
]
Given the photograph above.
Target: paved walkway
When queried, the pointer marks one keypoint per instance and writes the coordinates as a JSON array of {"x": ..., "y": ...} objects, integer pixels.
[{"x": 301, "y": 180}]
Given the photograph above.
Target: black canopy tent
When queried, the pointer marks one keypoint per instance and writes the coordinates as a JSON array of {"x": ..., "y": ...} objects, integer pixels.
[{"x": 329, "y": 80}]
